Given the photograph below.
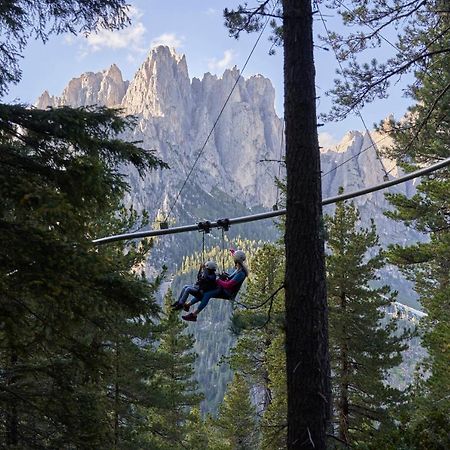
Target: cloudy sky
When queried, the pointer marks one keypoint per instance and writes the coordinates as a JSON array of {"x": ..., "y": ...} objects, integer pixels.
[{"x": 194, "y": 28}]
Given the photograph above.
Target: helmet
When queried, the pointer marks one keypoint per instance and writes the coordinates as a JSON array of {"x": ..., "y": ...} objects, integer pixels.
[
  {"x": 211, "y": 265},
  {"x": 239, "y": 256}
]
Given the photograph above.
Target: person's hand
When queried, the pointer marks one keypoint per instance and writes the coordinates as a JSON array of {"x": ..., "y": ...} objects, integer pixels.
[{"x": 223, "y": 276}]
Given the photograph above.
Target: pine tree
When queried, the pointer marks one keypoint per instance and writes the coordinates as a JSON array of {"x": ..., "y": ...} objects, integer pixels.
[
  {"x": 197, "y": 432},
  {"x": 169, "y": 423},
  {"x": 132, "y": 390},
  {"x": 274, "y": 420},
  {"x": 237, "y": 417},
  {"x": 259, "y": 353},
  {"x": 423, "y": 137},
  {"x": 362, "y": 349},
  {"x": 421, "y": 41},
  {"x": 62, "y": 299}
]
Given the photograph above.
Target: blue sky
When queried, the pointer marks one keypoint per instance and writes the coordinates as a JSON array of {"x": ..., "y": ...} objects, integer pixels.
[{"x": 195, "y": 28}]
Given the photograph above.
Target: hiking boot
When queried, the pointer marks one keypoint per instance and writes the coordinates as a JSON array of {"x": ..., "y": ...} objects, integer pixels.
[
  {"x": 186, "y": 307},
  {"x": 191, "y": 317}
]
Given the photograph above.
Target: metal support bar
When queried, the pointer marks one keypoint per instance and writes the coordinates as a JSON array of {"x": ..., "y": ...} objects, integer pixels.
[{"x": 271, "y": 214}]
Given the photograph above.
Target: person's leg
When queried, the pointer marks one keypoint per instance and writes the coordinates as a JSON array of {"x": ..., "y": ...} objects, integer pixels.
[
  {"x": 188, "y": 290},
  {"x": 183, "y": 290},
  {"x": 207, "y": 296}
]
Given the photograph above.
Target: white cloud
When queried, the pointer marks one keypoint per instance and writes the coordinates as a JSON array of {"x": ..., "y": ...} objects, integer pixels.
[
  {"x": 225, "y": 63},
  {"x": 169, "y": 39},
  {"x": 131, "y": 37},
  {"x": 327, "y": 140}
]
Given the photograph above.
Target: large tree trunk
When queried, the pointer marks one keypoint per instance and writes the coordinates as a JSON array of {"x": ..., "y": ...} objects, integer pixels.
[
  {"x": 306, "y": 307},
  {"x": 12, "y": 422}
]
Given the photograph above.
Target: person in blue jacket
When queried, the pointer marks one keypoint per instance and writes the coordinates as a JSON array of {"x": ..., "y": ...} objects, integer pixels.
[
  {"x": 206, "y": 281},
  {"x": 227, "y": 286}
]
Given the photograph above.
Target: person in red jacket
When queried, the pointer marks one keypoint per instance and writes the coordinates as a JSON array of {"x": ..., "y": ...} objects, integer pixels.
[{"x": 227, "y": 286}]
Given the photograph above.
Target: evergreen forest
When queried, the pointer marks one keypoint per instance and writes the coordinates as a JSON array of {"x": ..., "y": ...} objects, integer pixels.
[{"x": 92, "y": 354}]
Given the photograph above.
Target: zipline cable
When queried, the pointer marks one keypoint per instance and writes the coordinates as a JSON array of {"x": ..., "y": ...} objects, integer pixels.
[
  {"x": 217, "y": 119},
  {"x": 270, "y": 214}
]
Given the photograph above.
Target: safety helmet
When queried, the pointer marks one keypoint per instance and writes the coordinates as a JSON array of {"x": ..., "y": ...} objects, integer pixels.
[
  {"x": 211, "y": 265},
  {"x": 239, "y": 256}
]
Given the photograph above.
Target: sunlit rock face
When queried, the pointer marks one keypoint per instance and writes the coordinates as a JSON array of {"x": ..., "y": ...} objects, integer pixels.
[
  {"x": 355, "y": 164},
  {"x": 105, "y": 88},
  {"x": 177, "y": 117}
]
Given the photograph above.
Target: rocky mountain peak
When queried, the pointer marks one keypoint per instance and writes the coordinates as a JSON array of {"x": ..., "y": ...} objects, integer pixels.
[
  {"x": 45, "y": 100},
  {"x": 114, "y": 74},
  {"x": 160, "y": 84},
  {"x": 105, "y": 88}
]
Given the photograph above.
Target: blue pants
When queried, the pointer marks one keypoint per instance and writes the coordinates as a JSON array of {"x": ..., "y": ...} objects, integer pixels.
[
  {"x": 186, "y": 291},
  {"x": 207, "y": 296}
]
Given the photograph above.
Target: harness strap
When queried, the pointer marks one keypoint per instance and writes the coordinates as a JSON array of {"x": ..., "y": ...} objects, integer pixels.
[
  {"x": 224, "y": 225},
  {"x": 203, "y": 247},
  {"x": 223, "y": 250}
]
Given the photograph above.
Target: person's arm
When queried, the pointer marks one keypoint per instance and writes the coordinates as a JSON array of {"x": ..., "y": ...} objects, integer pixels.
[
  {"x": 200, "y": 272},
  {"x": 233, "y": 282}
]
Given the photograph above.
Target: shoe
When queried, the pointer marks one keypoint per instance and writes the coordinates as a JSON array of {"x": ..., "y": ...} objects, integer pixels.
[
  {"x": 186, "y": 307},
  {"x": 177, "y": 306},
  {"x": 190, "y": 317}
]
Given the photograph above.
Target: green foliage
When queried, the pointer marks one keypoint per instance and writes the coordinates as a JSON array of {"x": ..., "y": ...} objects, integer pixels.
[
  {"x": 424, "y": 138},
  {"x": 274, "y": 421},
  {"x": 71, "y": 314},
  {"x": 361, "y": 349},
  {"x": 253, "y": 19},
  {"x": 197, "y": 434},
  {"x": 236, "y": 422},
  {"x": 169, "y": 424},
  {"x": 39, "y": 19},
  {"x": 259, "y": 353},
  {"x": 421, "y": 41}
]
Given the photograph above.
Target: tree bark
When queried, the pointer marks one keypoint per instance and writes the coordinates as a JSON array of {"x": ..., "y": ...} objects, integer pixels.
[
  {"x": 307, "y": 361},
  {"x": 12, "y": 422}
]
